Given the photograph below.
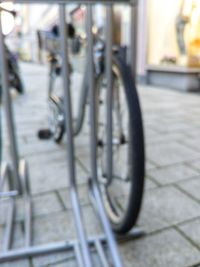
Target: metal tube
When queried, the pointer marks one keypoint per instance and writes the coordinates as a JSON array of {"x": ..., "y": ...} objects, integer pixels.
[
  {"x": 35, "y": 251},
  {"x": 70, "y": 141},
  {"x": 8, "y": 238},
  {"x": 93, "y": 145},
  {"x": 78, "y": 255},
  {"x": 107, "y": 228},
  {"x": 28, "y": 222},
  {"x": 109, "y": 95},
  {"x": 24, "y": 176},
  {"x": 8, "y": 194},
  {"x": 44, "y": 249},
  {"x": 4, "y": 175},
  {"x": 8, "y": 110},
  {"x": 93, "y": 134},
  {"x": 101, "y": 254},
  {"x": 80, "y": 228}
]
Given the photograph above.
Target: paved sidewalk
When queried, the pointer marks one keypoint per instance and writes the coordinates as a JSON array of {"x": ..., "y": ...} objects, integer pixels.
[{"x": 171, "y": 209}]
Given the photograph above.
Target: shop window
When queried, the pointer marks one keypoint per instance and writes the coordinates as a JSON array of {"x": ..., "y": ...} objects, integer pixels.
[{"x": 174, "y": 32}]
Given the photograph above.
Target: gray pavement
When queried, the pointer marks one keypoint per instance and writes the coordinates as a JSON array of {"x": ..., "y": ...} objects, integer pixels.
[{"x": 171, "y": 209}]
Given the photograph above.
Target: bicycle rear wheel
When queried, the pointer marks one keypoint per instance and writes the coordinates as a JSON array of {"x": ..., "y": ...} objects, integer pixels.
[{"x": 122, "y": 197}]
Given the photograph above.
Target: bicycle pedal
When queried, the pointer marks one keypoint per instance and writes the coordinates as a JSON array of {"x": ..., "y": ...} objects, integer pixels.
[
  {"x": 44, "y": 134},
  {"x": 100, "y": 143}
]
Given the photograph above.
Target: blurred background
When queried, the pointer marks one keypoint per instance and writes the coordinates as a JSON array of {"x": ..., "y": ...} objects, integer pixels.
[{"x": 168, "y": 36}]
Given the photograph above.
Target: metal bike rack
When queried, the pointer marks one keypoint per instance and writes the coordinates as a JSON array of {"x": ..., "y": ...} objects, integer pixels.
[{"x": 16, "y": 172}]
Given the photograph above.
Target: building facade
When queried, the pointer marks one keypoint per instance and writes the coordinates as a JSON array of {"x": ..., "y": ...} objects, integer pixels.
[
  {"x": 168, "y": 38},
  {"x": 173, "y": 53}
]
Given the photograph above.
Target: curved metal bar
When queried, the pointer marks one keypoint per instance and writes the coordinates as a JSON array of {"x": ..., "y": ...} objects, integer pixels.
[
  {"x": 8, "y": 194},
  {"x": 101, "y": 253},
  {"x": 109, "y": 102},
  {"x": 24, "y": 176},
  {"x": 9, "y": 228},
  {"x": 70, "y": 141},
  {"x": 9, "y": 111},
  {"x": 93, "y": 145},
  {"x": 78, "y": 255},
  {"x": 5, "y": 172},
  {"x": 46, "y": 249}
]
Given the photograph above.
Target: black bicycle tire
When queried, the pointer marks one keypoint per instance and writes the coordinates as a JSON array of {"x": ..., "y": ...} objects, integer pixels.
[{"x": 137, "y": 151}]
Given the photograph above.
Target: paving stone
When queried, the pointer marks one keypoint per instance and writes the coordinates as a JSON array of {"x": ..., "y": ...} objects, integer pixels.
[
  {"x": 171, "y": 126},
  {"x": 167, "y": 123},
  {"x": 166, "y": 206},
  {"x": 61, "y": 261},
  {"x": 172, "y": 174},
  {"x": 61, "y": 226},
  {"x": 149, "y": 165},
  {"x": 194, "y": 133},
  {"x": 164, "y": 249},
  {"x": 42, "y": 205},
  {"x": 82, "y": 141},
  {"x": 38, "y": 147},
  {"x": 192, "y": 187},
  {"x": 150, "y": 133},
  {"x": 166, "y": 154},
  {"x": 167, "y": 137},
  {"x": 3, "y": 211},
  {"x": 53, "y": 176},
  {"x": 192, "y": 230},
  {"x": 83, "y": 196},
  {"x": 84, "y": 158},
  {"x": 57, "y": 157},
  {"x": 91, "y": 222},
  {"x": 51, "y": 259},
  {"x": 73, "y": 263},
  {"x": 46, "y": 204},
  {"x": 194, "y": 142},
  {"x": 195, "y": 164},
  {"x": 66, "y": 263},
  {"x": 149, "y": 184},
  {"x": 18, "y": 237}
]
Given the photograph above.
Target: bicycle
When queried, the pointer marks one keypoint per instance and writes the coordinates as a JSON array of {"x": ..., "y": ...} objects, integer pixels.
[{"x": 122, "y": 194}]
